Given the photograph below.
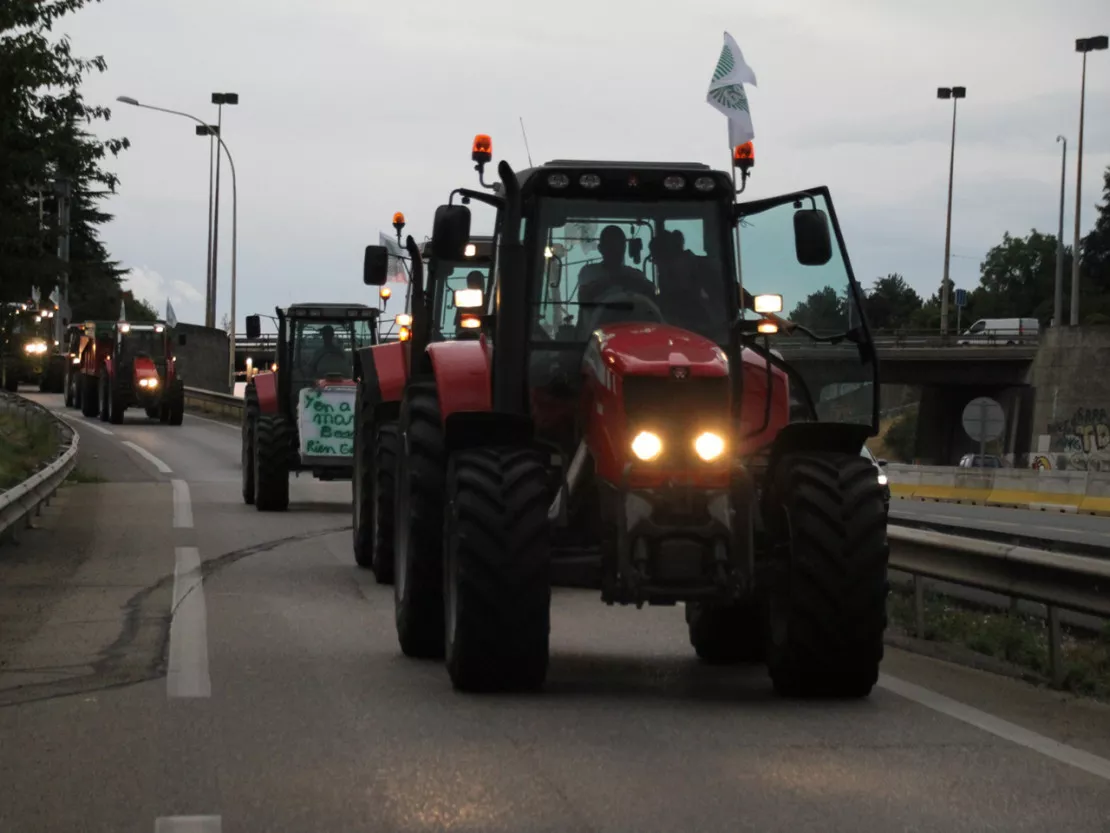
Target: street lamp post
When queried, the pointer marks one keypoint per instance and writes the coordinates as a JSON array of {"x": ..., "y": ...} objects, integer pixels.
[
  {"x": 1058, "y": 296},
  {"x": 1083, "y": 45},
  {"x": 219, "y": 99},
  {"x": 954, "y": 93},
  {"x": 234, "y": 220},
  {"x": 209, "y": 304}
]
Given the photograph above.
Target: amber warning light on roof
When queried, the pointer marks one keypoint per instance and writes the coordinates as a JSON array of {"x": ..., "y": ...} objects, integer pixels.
[
  {"x": 743, "y": 156},
  {"x": 482, "y": 151},
  {"x": 398, "y": 220}
]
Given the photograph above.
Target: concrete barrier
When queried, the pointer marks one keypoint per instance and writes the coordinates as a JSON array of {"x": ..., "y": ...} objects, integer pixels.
[{"x": 1056, "y": 491}]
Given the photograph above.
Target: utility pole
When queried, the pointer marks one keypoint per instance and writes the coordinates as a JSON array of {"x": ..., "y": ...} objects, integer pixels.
[
  {"x": 954, "y": 93},
  {"x": 64, "y": 189}
]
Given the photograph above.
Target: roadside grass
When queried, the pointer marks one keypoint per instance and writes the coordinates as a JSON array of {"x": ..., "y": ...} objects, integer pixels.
[
  {"x": 80, "y": 475},
  {"x": 1016, "y": 638},
  {"x": 23, "y": 446}
]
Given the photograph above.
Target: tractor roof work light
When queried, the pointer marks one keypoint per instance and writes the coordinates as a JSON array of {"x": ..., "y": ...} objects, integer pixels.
[
  {"x": 469, "y": 321},
  {"x": 767, "y": 303},
  {"x": 767, "y": 326}
]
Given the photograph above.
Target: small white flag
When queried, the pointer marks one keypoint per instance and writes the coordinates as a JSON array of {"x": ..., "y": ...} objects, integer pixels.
[
  {"x": 35, "y": 295},
  {"x": 122, "y": 310},
  {"x": 397, "y": 255},
  {"x": 171, "y": 319},
  {"x": 726, "y": 92},
  {"x": 55, "y": 296}
]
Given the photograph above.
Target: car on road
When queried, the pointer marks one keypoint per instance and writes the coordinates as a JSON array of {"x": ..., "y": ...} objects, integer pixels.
[{"x": 982, "y": 461}]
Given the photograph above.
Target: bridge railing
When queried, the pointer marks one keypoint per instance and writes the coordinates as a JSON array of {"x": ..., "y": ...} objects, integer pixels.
[{"x": 931, "y": 338}]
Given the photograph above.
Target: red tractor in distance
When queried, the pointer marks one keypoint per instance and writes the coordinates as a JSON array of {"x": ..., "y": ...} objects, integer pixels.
[
  {"x": 637, "y": 417},
  {"x": 448, "y": 307},
  {"x": 301, "y": 416},
  {"x": 140, "y": 370},
  {"x": 93, "y": 347}
]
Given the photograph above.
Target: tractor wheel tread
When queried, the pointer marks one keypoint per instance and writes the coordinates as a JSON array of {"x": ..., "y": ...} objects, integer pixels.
[
  {"x": 387, "y": 445},
  {"x": 271, "y": 463},
  {"x": 497, "y": 541},
  {"x": 830, "y": 598}
]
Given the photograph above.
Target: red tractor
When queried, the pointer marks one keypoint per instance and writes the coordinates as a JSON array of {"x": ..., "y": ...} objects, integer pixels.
[
  {"x": 301, "y": 416},
  {"x": 636, "y": 417},
  {"x": 140, "y": 370},
  {"x": 448, "y": 308},
  {"x": 93, "y": 347}
]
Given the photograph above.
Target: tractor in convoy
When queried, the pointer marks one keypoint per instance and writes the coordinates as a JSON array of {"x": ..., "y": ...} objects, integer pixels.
[
  {"x": 93, "y": 347},
  {"x": 657, "y": 419},
  {"x": 300, "y": 417},
  {"x": 134, "y": 366},
  {"x": 447, "y": 307},
  {"x": 26, "y": 336}
]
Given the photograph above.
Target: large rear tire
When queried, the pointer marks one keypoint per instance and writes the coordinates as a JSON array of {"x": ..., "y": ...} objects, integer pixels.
[
  {"x": 418, "y": 530},
  {"x": 115, "y": 404},
  {"x": 828, "y": 583},
  {"x": 69, "y": 391},
  {"x": 103, "y": 396},
  {"x": 271, "y": 463},
  {"x": 247, "y": 458},
  {"x": 727, "y": 634},
  {"x": 176, "y": 406},
  {"x": 387, "y": 446},
  {"x": 90, "y": 405},
  {"x": 498, "y": 565}
]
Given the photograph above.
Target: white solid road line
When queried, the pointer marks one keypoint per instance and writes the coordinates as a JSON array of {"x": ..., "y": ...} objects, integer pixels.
[
  {"x": 182, "y": 507},
  {"x": 215, "y": 422},
  {"x": 187, "y": 824},
  {"x": 158, "y": 464},
  {"x": 998, "y": 727},
  {"x": 187, "y": 674},
  {"x": 86, "y": 423}
]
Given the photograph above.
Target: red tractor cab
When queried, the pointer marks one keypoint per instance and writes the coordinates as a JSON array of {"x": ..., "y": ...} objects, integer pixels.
[
  {"x": 448, "y": 306},
  {"x": 140, "y": 371},
  {"x": 637, "y": 405},
  {"x": 301, "y": 416}
]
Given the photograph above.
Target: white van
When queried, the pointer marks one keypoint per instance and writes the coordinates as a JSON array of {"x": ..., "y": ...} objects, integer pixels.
[{"x": 1002, "y": 331}]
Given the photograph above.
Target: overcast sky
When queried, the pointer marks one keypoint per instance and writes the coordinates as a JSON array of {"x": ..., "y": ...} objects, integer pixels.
[{"x": 351, "y": 110}]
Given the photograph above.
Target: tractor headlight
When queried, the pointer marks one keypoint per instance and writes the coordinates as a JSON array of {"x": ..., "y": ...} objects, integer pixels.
[
  {"x": 883, "y": 480},
  {"x": 34, "y": 348},
  {"x": 709, "y": 446},
  {"x": 647, "y": 445}
]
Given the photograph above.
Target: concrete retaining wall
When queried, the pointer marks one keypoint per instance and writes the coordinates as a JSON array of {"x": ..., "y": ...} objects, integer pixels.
[
  {"x": 202, "y": 362},
  {"x": 1087, "y": 492}
]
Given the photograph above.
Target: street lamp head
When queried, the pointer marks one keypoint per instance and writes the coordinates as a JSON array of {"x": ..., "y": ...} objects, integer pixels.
[
  {"x": 1092, "y": 44},
  {"x": 1063, "y": 139},
  {"x": 944, "y": 92},
  {"x": 126, "y": 99},
  {"x": 959, "y": 92},
  {"x": 225, "y": 98}
]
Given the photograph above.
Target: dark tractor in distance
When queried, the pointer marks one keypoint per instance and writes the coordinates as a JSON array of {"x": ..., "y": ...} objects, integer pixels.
[
  {"x": 301, "y": 416},
  {"x": 139, "y": 370},
  {"x": 449, "y": 307},
  {"x": 26, "y": 336},
  {"x": 652, "y": 419}
]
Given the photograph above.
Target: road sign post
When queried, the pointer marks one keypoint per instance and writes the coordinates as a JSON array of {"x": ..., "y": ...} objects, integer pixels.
[
  {"x": 961, "y": 302},
  {"x": 984, "y": 421}
]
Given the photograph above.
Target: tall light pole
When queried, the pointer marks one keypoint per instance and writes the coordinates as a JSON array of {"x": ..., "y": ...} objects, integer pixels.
[
  {"x": 1058, "y": 296},
  {"x": 234, "y": 221},
  {"x": 1083, "y": 45},
  {"x": 219, "y": 99},
  {"x": 209, "y": 304},
  {"x": 954, "y": 93}
]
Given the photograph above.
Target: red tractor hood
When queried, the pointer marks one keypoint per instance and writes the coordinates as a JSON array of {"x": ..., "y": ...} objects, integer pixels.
[
  {"x": 145, "y": 368},
  {"x": 334, "y": 383},
  {"x": 654, "y": 349}
]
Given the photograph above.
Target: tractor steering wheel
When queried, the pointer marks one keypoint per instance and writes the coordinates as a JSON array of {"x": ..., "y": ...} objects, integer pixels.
[{"x": 618, "y": 294}]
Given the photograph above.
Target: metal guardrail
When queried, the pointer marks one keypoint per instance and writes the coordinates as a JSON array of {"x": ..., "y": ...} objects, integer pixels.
[
  {"x": 1060, "y": 581},
  {"x": 19, "y": 503},
  {"x": 931, "y": 338},
  {"x": 214, "y": 402}
]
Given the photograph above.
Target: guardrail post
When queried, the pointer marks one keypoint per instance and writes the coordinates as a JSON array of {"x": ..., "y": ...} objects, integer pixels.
[
  {"x": 919, "y": 606},
  {"x": 1055, "y": 647}
]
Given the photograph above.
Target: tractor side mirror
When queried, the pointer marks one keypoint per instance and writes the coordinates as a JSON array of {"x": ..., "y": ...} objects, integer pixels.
[
  {"x": 254, "y": 327},
  {"x": 450, "y": 232},
  {"x": 375, "y": 266},
  {"x": 181, "y": 339},
  {"x": 812, "y": 242}
]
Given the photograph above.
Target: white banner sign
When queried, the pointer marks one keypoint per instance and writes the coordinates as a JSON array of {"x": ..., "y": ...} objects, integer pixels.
[{"x": 326, "y": 422}]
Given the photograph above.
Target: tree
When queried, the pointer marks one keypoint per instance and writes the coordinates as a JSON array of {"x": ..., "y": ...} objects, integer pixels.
[
  {"x": 1095, "y": 257},
  {"x": 41, "y": 141},
  {"x": 1018, "y": 278},
  {"x": 891, "y": 302},
  {"x": 822, "y": 310}
]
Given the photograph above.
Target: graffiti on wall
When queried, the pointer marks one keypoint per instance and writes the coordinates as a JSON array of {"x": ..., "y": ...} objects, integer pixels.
[{"x": 1083, "y": 441}]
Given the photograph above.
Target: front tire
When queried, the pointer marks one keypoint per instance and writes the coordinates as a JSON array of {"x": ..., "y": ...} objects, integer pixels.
[
  {"x": 90, "y": 405},
  {"x": 362, "y": 514},
  {"x": 498, "y": 582},
  {"x": 387, "y": 446},
  {"x": 828, "y": 591},
  {"x": 418, "y": 531},
  {"x": 271, "y": 463},
  {"x": 247, "y": 458}
]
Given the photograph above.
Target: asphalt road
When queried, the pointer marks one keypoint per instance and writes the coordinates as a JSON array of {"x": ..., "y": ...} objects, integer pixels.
[
  {"x": 277, "y": 699},
  {"x": 1052, "y": 526}
]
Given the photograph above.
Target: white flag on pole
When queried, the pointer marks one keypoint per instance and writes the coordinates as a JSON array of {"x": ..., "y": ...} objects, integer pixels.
[
  {"x": 726, "y": 92},
  {"x": 35, "y": 295},
  {"x": 171, "y": 319},
  {"x": 122, "y": 311}
]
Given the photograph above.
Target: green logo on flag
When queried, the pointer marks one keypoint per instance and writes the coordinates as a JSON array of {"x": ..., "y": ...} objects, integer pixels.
[
  {"x": 731, "y": 97},
  {"x": 725, "y": 64}
]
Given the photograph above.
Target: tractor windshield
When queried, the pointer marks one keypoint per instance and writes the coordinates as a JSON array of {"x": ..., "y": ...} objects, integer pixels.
[
  {"x": 324, "y": 347},
  {"x": 471, "y": 274},
  {"x": 830, "y": 348},
  {"x": 601, "y": 262},
  {"x": 146, "y": 343}
]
